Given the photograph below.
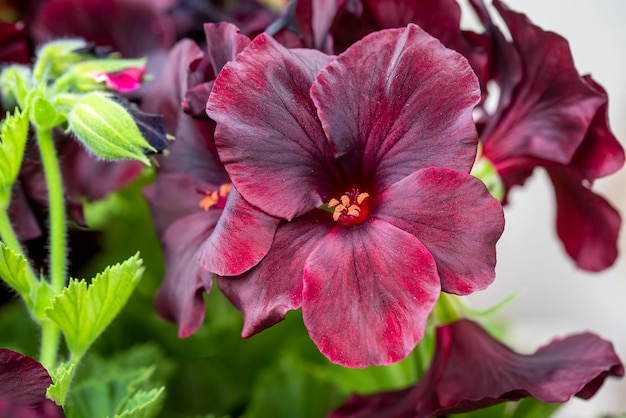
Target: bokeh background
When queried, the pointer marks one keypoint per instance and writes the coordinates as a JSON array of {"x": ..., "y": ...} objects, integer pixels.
[{"x": 555, "y": 297}]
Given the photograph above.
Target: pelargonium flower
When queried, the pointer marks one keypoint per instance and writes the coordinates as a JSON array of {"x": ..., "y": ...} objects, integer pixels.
[
  {"x": 23, "y": 385},
  {"x": 471, "y": 370},
  {"x": 365, "y": 159},
  {"x": 192, "y": 189},
  {"x": 549, "y": 116}
]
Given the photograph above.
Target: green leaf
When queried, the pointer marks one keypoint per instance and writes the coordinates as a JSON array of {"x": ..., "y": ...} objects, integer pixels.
[
  {"x": 485, "y": 171},
  {"x": 14, "y": 271},
  {"x": 14, "y": 85},
  {"x": 13, "y": 135},
  {"x": 106, "y": 387},
  {"x": 143, "y": 404},
  {"x": 84, "y": 311},
  {"x": 62, "y": 378},
  {"x": 531, "y": 408},
  {"x": 294, "y": 388},
  {"x": 44, "y": 115}
]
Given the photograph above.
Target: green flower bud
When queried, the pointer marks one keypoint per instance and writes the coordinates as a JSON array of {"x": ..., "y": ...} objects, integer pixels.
[
  {"x": 107, "y": 129},
  {"x": 98, "y": 74},
  {"x": 56, "y": 57},
  {"x": 484, "y": 170},
  {"x": 14, "y": 84}
]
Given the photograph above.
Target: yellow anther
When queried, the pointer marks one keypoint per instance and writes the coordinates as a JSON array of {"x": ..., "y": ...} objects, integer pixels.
[
  {"x": 354, "y": 210},
  {"x": 361, "y": 197},
  {"x": 345, "y": 200},
  {"x": 333, "y": 202},
  {"x": 336, "y": 215},
  {"x": 225, "y": 189},
  {"x": 208, "y": 201}
]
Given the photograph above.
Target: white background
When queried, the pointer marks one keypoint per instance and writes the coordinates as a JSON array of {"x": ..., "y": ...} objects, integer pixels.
[{"x": 556, "y": 298}]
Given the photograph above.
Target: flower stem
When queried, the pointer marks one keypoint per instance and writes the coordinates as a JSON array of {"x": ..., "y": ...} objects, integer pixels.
[
  {"x": 7, "y": 233},
  {"x": 52, "y": 170}
]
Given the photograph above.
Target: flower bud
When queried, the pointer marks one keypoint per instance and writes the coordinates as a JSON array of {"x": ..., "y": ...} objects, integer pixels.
[
  {"x": 107, "y": 129},
  {"x": 121, "y": 75}
]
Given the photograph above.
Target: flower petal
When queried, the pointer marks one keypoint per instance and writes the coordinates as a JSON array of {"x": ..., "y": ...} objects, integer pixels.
[
  {"x": 587, "y": 224},
  {"x": 456, "y": 219},
  {"x": 471, "y": 370},
  {"x": 180, "y": 298},
  {"x": 268, "y": 291},
  {"x": 552, "y": 105},
  {"x": 22, "y": 380},
  {"x": 600, "y": 153},
  {"x": 241, "y": 238},
  {"x": 398, "y": 101},
  {"x": 267, "y": 134},
  {"x": 368, "y": 291}
]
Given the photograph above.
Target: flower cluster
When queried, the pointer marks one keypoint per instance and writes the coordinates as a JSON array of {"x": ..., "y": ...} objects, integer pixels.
[{"x": 341, "y": 158}]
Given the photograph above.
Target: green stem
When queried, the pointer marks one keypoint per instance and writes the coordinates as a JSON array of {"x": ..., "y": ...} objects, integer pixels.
[{"x": 58, "y": 251}]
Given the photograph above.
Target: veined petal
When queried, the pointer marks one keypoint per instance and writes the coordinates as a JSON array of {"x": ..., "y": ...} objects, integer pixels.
[
  {"x": 471, "y": 370},
  {"x": 600, "y": 153},
  {"x": 22, "y": 380},
  {"x": 368, "y": 291},
  {"x": 180, "y": 298},
  {"x": 587, "y": 224},
  {"x": 552, "y": 105},
  {"x": 456, "y": 219},
  {"x": 398, "y": 101},
  {"x": 267, "y": 134},
  {"x": 267, "y": 292},
  {"x": 223, "y": 44},
  {"x": 240, "y": 240}
]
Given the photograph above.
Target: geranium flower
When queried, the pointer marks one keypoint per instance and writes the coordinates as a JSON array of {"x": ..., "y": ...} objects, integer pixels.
[
  {"x": 365, "y": 158},
  {"x": 23, "y": 385},
  {"x": 192, "y": 189},
  {"x": 549, "y": 116},
  {"x": 471, "y": 370}
]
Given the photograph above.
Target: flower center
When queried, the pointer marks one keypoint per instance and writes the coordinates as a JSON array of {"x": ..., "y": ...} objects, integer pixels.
[
  {"x": 351, "y": 208},
  {"x": 216, "y": 198}
]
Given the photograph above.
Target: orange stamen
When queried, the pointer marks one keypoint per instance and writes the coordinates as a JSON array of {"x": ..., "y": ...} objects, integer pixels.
[
  {"x": 208, "y": 201},
  {"x": 225, "y": 189},
  {"x": 333, "y": 202},
  {"x": 345, "y": 200},
  {"x": 361, "y": 197}
]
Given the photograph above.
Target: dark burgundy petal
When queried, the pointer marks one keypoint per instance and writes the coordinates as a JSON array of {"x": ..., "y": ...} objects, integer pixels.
[
  {"x": 22, "y": 216},
  {"x": 587, "y": 224},
  {"x": 456, "y": 219},
  {"x": 13, "y": 45},
  {"x": 268, "y": 291},
  {"x": 240, "y": 240},
  {"x": 166, "y": 93},
  {"x": 267, "y": 134},
  {"x": 368, "y": 291},
  {"x": 174, "y": 196},
  {"x": 600, "y": 154},
  {"x": 180, "y": 298},
  {"x": 553, "y": 105},
  {"x": 22, "y": 380},
  {"x": 139, "y": 28},
  {"x": 396, "y": 102},
  {"x": 471, "y": 370},
  {"x": 47, "y": 409},
  {"x": 223, "y": 44}
]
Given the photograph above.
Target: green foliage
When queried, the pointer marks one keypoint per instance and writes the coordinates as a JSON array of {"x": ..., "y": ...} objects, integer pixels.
[
  {"x": 128, "y": 385},
  {"x": 83, "y": 311},
  {"x": 294, "y": 389},
  {"x": 525, "y": 408},
  {"x": 14, "y": 85},
  {"x": 13, "y": 135},
  {"x": 484, "y": 170},
  {"x": 107, "y": 129},
  {"x": 44, "y": 115},
  {"x": 14, "y": 271},
  {"x": 62, "y": 378}
]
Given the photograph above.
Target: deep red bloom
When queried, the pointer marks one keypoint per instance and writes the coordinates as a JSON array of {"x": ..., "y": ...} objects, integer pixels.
[
  {"x": 23, "y": 385},
  {"x": 382, "y": 137},
  {"x": 471, "y": 370},
  {"x": 549, "y": 116},
  {"x": 192, "y": 189}
]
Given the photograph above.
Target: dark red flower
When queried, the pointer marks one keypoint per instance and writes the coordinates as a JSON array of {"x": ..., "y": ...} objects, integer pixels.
[
  {"x": 471, "y": 370},
  {"x": 23, "y": 385},
  {"x": 382, "y": 137},
  {"x": 549, "y": 116},
  {"x": 192, "y": 189}
]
